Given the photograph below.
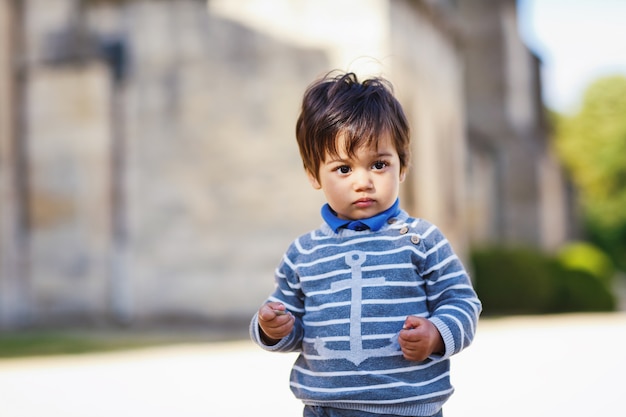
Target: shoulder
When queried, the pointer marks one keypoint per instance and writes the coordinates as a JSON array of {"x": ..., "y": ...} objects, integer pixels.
[
  {"x": 428, "y": 233},
  {"x": 416, "y": 225},
  {"x": 307, "y": 242}
]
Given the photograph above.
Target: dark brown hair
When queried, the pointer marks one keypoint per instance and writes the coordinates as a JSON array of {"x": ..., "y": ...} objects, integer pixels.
[{"x": 361, "y": 111}]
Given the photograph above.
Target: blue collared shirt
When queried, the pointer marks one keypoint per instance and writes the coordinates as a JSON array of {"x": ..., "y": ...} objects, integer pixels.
[{"x": 373, "y": 223}]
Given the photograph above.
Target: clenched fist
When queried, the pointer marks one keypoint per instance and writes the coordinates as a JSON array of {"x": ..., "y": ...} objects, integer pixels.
[
  {"x": 275, "y": 322},
  {"x": 419, "y": 338}
]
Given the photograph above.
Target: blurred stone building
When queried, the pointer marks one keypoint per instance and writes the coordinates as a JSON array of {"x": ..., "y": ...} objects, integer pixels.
[{"x": 148, "y": 165}]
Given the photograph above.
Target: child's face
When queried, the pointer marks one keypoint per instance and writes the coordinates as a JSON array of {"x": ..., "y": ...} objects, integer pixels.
[{"x": 364, "y": 185}]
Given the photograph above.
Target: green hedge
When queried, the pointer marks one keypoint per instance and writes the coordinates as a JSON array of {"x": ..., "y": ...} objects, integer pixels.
[
  {"x": 587, "y": 257},
  {"x": 526, "y": 281}
]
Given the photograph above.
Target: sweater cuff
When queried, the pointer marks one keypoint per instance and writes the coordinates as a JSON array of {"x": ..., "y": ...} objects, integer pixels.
[
  {"x": 448, "y": 339},
  {"x": 255, "y": 334}
]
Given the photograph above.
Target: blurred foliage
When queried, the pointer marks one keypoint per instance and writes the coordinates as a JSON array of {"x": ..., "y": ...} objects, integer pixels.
[
  {"x": 39, "y": 342},
  {"x": 512, "y": 281},
  {"x": 526, "y": 281},
  {"x": 586, "y": 257},
  {"x": 592, "y": 146},
  {"x": 20, "y": 344}
]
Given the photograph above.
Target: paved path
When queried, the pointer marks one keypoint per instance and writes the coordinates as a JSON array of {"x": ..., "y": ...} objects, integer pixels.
[{"x": 571, "y": 365}]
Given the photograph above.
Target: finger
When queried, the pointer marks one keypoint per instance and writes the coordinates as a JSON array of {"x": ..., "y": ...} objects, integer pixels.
[
  {"x": 411, "y": 335},
  {"x": 277, "y": 308},
  {"x": 409, "y": 330},
  {"x": 268, "y": 311},
  {"x": 264, "y": 314},
  {"x": 275, "y": 305},
  {"x": 278, "y": 330},
  {"x": 270, "y": 320},
  {"x": 414, "y": 351},
  {"x": 412, "y": 322}
]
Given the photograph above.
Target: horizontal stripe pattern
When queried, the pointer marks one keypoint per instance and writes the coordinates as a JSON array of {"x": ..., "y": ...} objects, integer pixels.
[{"x": 350, "y": 293}]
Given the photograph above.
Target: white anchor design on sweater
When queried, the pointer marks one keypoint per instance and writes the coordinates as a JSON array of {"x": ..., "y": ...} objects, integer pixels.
[{"x": 357, "y": 354}]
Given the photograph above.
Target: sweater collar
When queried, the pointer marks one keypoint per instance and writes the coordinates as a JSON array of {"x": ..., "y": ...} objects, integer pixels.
[{"x": 373, "y": 223}]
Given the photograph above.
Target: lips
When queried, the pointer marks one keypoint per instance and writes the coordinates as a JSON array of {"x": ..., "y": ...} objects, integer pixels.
[{"x": 364, "y": 202}]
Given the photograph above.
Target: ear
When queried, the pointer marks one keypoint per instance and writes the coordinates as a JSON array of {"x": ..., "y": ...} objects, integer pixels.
[
  {"x": 402, "y": 175},
  {"x": 314, "y": 182}
]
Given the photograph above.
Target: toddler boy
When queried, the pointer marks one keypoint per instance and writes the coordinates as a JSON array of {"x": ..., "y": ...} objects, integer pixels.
[{"x": 374, "y": 300}]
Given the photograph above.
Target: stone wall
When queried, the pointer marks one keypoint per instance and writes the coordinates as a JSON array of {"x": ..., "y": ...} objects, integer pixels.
[
  {"x": 164, "y": 180},
  {"x": 518, "y": 194}
]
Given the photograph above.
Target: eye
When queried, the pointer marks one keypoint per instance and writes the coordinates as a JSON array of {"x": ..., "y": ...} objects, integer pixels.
[
  {"x": 344, "y": 169},
  {"x": 378, "y": 165}
]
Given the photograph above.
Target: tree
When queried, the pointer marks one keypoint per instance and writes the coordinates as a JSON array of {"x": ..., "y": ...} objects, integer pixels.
[{"x": 592, "y": 145}]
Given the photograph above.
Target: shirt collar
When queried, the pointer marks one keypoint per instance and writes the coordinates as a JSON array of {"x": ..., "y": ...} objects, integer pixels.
[{"x": 373, "y": 223}]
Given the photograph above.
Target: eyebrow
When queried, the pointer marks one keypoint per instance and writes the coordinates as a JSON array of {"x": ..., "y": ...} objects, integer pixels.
[{"x": 343, "y": 161}]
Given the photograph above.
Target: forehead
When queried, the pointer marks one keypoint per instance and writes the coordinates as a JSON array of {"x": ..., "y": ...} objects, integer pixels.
[{"x": 344, "y": 149}]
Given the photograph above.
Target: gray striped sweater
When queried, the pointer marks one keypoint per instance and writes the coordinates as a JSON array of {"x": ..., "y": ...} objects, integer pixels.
[{"x": 350, "y": 293}]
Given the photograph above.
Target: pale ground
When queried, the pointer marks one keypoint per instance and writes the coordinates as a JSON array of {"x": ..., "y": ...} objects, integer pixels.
[{"x": 571, "y": 365}]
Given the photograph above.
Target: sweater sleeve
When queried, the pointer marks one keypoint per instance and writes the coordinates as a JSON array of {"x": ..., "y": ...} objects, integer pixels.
[
  {"x": 287, "y": 291},
  {"x": 452, "y": 302}
]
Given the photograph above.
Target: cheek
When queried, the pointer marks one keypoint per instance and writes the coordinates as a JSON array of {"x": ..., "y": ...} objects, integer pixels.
[{"x": 334, "y": 190}]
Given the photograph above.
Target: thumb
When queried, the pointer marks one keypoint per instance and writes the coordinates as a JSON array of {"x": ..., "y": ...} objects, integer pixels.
[
  {"x": 269, "y": 311},
  {"x": 412, "y": 322}
]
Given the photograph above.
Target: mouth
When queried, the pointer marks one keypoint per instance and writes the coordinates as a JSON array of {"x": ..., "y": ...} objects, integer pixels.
[{"x": 364, "y": 202}]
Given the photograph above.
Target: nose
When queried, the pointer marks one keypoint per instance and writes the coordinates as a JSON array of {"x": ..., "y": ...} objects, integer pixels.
[{"x": 362, "y": 180}]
